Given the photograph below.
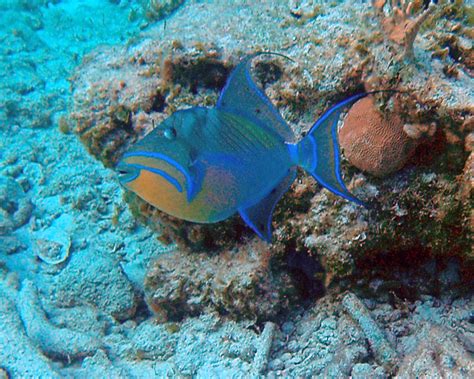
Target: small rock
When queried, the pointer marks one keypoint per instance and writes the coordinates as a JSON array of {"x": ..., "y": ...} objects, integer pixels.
[
  {"x": 10, "y": 245},
  {"x": 53, "y": 244},
  {"x": 276, "y": 364},
  {"x": 362, "y": 370},
  {"x": 15, "y": 207},
  {"x": 288, "y": 327}
]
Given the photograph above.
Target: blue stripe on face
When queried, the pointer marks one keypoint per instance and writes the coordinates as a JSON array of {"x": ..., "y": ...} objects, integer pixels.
[
  {"x": 164, "y": 174},
  {"x": 172, "y": 162}
]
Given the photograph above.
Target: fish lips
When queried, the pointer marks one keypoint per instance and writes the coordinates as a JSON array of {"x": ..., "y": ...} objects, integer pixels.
[{"x": 126, "y": 172}]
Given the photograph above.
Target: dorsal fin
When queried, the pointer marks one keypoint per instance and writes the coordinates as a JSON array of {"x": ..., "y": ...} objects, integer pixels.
[
  {"x": 242, "y": 96},
  {"x": 259, "y": 216}
]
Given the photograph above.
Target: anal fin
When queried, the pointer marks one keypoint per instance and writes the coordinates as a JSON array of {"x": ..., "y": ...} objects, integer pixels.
[{"x": 259, "y": 216}]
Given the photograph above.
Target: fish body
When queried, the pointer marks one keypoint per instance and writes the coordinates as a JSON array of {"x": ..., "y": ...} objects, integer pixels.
[
  {"x": 206, "y": 164},
  {"x": 229, "y": 159}
]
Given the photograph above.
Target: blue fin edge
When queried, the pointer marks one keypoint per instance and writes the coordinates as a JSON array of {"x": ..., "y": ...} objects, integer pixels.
[
  {"x": 244, "y": 216},
  {"x": 337, "y": 152}
]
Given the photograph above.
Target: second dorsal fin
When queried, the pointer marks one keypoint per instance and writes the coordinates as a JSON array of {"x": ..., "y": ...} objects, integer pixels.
[{"x": 241, "y": 95}]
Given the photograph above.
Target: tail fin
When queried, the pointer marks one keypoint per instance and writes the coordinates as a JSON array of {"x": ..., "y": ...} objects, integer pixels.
[{"x": 318, "y": 152}]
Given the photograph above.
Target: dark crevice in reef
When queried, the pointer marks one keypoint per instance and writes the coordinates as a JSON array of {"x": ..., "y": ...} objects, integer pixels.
[
  {"x": 267, "y": 73},
  {"x": 407, "y": 275},
  {"x": 121, "y": 118},
  {"x": 201, "y": 72},
  {"x": 158, "y": 103},
  {"x": 306, "y": 272},
  {"x": 438, "y": 155},
  {"x": 142, "y": 311},
  {"x": 428, "y": 151}
]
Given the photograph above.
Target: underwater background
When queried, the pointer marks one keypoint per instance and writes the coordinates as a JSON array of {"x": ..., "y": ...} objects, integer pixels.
[{"x": 94, "y": 282}]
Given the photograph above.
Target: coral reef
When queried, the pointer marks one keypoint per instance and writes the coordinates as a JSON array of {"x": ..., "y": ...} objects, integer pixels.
[
  {"x": 185, "y": 68},
  {"x": 243, "y": 284},
  {"x": 141, "y": 96},
  {"x": 119, "y": 95},
  {"x": 401, "y": 27}
]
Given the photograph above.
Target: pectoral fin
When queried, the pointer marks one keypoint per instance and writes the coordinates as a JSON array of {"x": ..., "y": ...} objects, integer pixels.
[{"x": 196, "y": 177}]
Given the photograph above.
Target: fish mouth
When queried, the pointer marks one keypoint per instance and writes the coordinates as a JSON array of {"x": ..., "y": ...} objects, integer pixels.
[
  {"x": 126, "y": 173},
  {"x": 162, "y": 172}
]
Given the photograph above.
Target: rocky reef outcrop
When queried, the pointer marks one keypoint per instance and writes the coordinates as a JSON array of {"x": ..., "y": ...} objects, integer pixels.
[{"x": 121, "y": 93}]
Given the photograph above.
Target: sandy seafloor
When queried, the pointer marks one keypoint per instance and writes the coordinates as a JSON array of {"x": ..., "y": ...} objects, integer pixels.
[{"x": 75, "y": 308}]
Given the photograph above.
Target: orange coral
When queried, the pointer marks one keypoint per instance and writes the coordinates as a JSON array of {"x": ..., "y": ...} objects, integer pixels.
[
  {"x": 373, "y": 142},
  {"x": 401, "y": 27}
]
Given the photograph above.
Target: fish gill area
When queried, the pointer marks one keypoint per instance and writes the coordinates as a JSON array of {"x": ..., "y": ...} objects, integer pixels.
[{"x": 94, "y": 281}]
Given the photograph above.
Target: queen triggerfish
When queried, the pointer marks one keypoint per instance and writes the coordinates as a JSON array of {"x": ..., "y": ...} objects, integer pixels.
[{"x": 205, "y": 164}]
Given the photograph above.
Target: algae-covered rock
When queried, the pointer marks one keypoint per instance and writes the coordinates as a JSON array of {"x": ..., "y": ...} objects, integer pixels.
[
  {"x": 159, "y": 9},
  {"x": 406, "y": 260},
  {"x": 243, "y": 284},
  {"x": 112, "y": 109},
  {"x": 417, "y": 205}
]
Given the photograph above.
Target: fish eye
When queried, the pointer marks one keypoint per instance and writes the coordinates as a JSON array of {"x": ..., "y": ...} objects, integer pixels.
[{"x": 170, "y": 133}]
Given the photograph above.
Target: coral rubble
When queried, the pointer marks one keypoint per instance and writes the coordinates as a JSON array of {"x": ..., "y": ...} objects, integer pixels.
[
  {"x": 439, "y": 353},
  {"x": 52, "y": 340},
  {"x": 384, "y": 353}
]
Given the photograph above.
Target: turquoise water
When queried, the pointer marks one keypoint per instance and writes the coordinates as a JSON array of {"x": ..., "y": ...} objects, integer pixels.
[{"x": 93, "y": 283}]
